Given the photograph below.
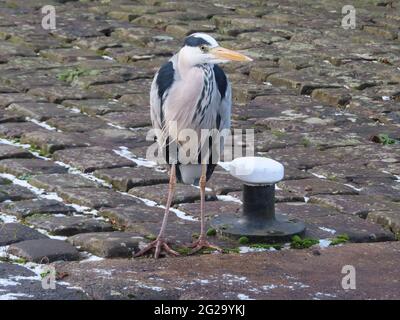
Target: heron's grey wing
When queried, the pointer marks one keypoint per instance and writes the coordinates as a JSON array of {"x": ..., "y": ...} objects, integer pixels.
[
  {"x": 160, "y": 87},
  {"x": 224, "y": 110}
]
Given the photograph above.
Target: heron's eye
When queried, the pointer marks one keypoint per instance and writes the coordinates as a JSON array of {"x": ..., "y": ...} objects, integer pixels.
[{"x": 203, "y": 48}]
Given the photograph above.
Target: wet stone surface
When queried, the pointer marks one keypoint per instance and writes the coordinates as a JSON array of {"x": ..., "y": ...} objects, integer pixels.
[
  {"x": 15, "y": 232},
  {"x": 44, "y": 251},
  {"x": 25, "y": 208},
  {"x": 74, "y": 115},
  {"x": 68, "y": 226},
  {"x": 108, "y": 245}
]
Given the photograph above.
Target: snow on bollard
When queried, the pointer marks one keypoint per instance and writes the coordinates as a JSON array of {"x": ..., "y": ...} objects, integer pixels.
[{"x": 258, "y": 221}]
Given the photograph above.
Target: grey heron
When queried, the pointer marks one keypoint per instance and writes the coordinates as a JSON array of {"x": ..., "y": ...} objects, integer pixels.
[{"x": 192, "y": 92}]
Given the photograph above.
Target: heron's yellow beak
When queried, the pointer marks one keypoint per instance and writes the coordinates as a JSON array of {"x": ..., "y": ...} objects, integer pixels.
[{"x": 226, "y": 54}]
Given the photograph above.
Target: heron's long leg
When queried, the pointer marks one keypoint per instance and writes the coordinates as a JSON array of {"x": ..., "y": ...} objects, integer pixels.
[
  {"x": 202, "y": 241},
  {"x": 160, "y": 242}
]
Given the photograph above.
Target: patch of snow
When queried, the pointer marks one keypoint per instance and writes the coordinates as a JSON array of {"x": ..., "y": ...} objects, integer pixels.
[
  {"x": 125, "y": 153},
  {"x": 242, "y": 296},
  {"x": 14, "y": 296},
  {"x": 246, "y": 249},
  {"x": 327, "y": 230},
  {"x": 43, "y": 124},
  {"x": 145, "y": 286},
  {"x": 5, "y": 218},
  {"x": 385, "y": 98},
  {"x": 320, "y": 176},
  {"x": 353, "y": 187},
  {"x": 324, "y": 243},
  {"x": 228, "y": 198},
  {"x": 108, "y": 58},
  {"x": 306, "y": 199}
]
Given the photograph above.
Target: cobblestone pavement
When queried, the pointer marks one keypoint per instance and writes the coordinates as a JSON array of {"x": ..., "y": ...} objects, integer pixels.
[{"x": 74, "y": 184}]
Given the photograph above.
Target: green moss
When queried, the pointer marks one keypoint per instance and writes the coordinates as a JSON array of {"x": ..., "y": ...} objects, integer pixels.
[
  {"x": 332, "y": 177},
  {"x": 231, "y": 250},
  {"x": 184, "y": 251},
  {"x": 305, "y": 142},
  {"x": 25, "y": 176},
  {"x": 278, "y": 133},
  {"x": 384, "y": 139},
  {"x": 243, "y": 240},
  {"x": 70, "y": 75},
  {"x": 266, "y": 246},
  {"x": 299, "y": 243},
  {"x": 195, "y": 235},
  {"x": 211, "y": 232},
  {"x": 340, "y": 239},
  {"x": 150, "y": 237}
]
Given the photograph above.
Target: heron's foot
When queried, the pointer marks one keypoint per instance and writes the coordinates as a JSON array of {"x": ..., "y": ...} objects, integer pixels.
[
  {"x": 159, "y": 245},
  {"x": 202, "y": 243}
]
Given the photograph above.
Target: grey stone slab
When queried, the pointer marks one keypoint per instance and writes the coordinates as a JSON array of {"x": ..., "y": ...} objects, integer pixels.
[
  {"x": 19, "y": 167},
  {"x": 16, "y": 232},
  {"x": 96, "y": 197},
  {"x": 51, "y": 141},
  {"x": 44, "y": 250},
  {"x": 55, "y": 182},
  {"x": 92, "y": 158},
  {"x": 124, "y": 179},
  {"x": 68, "y": 226},
  {"x": 15, "y": 193},
  {"x": 159, "y": 193},
  {"x": 25, "y": 208},
  {"x": 9, "y": 151},
  {"x": 95, "y": 106},
  {"x": 40, "y": 111},
  {"x": 108, "y": 244}
]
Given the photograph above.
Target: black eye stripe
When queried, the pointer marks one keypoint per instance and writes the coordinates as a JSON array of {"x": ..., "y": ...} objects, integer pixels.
[{"x": 196, "y": 42}]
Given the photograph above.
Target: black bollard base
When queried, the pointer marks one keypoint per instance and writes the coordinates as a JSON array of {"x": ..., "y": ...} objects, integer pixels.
[
  {"x": 258, "y": 221},
  {"x": 276, "y": 230}
]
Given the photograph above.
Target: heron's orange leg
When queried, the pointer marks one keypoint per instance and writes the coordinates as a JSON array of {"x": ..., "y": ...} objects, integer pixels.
[
  {"x": 160, "y": 243},
  {"x": 202, "y": 241}
]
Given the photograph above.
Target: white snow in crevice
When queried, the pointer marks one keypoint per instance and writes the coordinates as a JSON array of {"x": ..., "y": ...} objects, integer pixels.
[
  {"x": 306, "y": 199},
  {"x": 324, "y": 243},
  {"x": 88, "y": 176},
  {"x": 320, "y": 176},
  {"x": 228, "y": 198},
  {"x": 75, "y": 110},
  {"x": 5, "y": 218},
  {"x": 46, "y": 233},
  {"x": 115, "y": 126},
  {"x": 88, "y": 257},
  {"x": 145, "y": 286},
  {"x": 23, "y": 146},
  {"x": 108, "y": 58},
  {"x": 43, "y": 194},
  {"x": 246, "y": 249},
  {"x": 43, "y": 124},
  {"x": 353, "y": 187},
  {"x": 242, "y": 296},
  {"x": 332, "y": 231},
  {"x": 14, "y": 296},
  {"x": 125, "y": 153}
]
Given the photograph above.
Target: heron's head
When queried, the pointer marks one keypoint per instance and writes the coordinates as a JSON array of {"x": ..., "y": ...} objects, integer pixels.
[{"x": 201, "y": 48}]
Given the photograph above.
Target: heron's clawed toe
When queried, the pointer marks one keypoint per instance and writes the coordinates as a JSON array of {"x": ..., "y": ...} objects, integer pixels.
[
  {"x": 202, "y": 243},
  {"x": 159, "y": 245}
]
